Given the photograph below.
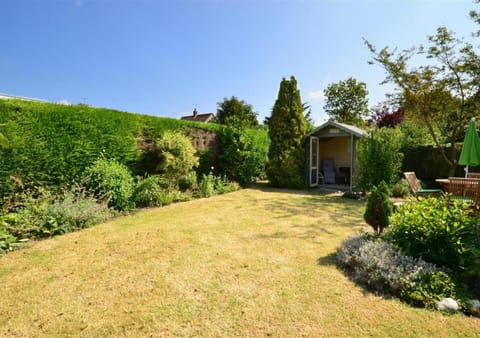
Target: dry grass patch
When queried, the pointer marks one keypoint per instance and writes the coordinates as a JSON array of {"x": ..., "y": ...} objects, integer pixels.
[{"x": 251, "y": 263}]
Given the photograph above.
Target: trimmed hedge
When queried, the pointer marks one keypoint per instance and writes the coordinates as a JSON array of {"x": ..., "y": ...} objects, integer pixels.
[
  {"x": 52, "y": 144},
  {"x": 428, "y": 164}
]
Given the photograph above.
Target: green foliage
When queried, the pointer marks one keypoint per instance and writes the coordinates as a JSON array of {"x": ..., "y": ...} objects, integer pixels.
[
  {"x": 475, "y": 16},
  {"x": 111, "y": 181},
  {"x": 428, "y": 163},
  {"x": 378, "y": 265},
  {"x": 379, "y": 158},
  {"x": 414, "y": 134},
  {"x": 234, "y": 111},
  {"x": 287, "y": 129},
  {"x": 189, "y": 181},
  {"x": 148, "y": 192},
  {"x": 206, "y": 162},
  {"x": 241, "y": 159},
  {"x": 168, "y": 197},
  {"x": 51, "y": 145},
  {"x": 3, "y": 140},
  {"x": 259, "y": 147},
  {"x": 442, "y": 232},
  {"x": 400, "y": 189},
  {"x": 379, "y": 208},
  {"x": 442, "y": 91},
  {"x": 177, "y": 155},
  {"x": 8, "y": 242},
  {"x": 45, "y": 214},
  {"x": 207, "y": 186},
  {"x": 347, "y": 102},
  {"x": 428, "y": 289}
]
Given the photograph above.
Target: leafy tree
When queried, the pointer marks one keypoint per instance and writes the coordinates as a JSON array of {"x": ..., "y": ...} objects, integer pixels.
[
  {"x": 346, "y": 101},
  {"x": 475, "y": 15},
  {"x": 444, "y": 93},
  {"x": 386, "y": 118},
  {"x": 287, "y": 129},
  {"x": 379, "y": 157},
  {"x": 307, "y": 109},
  {"x": 233, "y": 108}
]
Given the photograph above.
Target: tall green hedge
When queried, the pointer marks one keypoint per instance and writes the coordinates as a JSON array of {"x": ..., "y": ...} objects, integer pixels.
[{"x": 52, "y": 144}]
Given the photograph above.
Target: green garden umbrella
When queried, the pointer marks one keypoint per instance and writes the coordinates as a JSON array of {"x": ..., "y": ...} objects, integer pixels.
[{"x": 470, "y": 155}]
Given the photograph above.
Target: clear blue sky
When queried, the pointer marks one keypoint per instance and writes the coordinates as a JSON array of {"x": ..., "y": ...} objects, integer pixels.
[{"x": 161, "y": 57}]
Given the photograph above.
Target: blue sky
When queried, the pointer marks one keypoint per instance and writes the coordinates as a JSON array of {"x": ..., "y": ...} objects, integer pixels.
[{"x": 163, "y": 57}]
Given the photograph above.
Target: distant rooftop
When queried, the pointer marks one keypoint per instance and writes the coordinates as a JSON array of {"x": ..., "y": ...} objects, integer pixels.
[{"x": 207, "y": 117}]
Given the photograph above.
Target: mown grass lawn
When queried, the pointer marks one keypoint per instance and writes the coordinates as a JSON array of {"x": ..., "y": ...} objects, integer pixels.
[{"x": 257, "y": 262}]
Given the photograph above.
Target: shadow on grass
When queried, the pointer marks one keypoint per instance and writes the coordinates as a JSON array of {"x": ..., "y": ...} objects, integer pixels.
[
  {"x": 328, "y": 260},
  {"x": 330, "y": 209},
  {"x": 264, "y": 187}
]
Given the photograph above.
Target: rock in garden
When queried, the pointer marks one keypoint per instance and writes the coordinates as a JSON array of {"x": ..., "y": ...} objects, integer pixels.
[
  {"x": 447, "y": 304},
  {"x": 474, "y": 307}
]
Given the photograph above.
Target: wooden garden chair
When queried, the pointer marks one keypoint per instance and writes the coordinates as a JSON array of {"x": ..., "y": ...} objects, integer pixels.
[{"x": 416, "y": 186}]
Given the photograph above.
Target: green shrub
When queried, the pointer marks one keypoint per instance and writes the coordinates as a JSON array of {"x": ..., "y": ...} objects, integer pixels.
[
  {"x": 231, "y": 186},
  {"x": 111, "y": 181},
  {"x": 207, "y": 186},
  {"x": 189, "y": 181},
  {"x": 74, "y": 211},
  {"x": 147, "y": 192},
  {"x": 206, "y": 162},
  {"x": 379, "y": 266},
  {"x": 8, "y": 242},
  {"x": 442, "y": 232},
  {"x": 181, "y": 196},
  {"x": 177, "y": 155},
  {"x": 44, "y": 214},
  {"x": 379, "y": 208},
  {"x": 428, "y": 288},
  {"x": 241, "y": 159},
  {"x": 167, "y": 197},
  {"x": 400, "y": 189},
  {"x": 379, "y": 158}
]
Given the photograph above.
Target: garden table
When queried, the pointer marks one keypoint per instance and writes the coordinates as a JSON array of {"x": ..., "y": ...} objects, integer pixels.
[{"x": 459, "y": 188}]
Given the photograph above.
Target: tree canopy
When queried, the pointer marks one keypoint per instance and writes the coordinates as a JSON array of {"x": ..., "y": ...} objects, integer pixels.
[
  {"x": 346, "y": 101},
  {"x": 287, "y": 129},
  {"x": 443, "y": 93},
  {"x": 234, "y": 111}
]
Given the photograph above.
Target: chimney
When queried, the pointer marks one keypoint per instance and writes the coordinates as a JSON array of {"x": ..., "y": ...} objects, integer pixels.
[{"x": 195, "y": 113}]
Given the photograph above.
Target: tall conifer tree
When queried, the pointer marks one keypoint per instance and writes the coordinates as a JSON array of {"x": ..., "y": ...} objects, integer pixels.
[{"x": 287, "y": 129}]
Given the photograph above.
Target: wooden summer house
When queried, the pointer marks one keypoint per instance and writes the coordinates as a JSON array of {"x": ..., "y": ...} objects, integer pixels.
[{"x": 331, "y": 154}]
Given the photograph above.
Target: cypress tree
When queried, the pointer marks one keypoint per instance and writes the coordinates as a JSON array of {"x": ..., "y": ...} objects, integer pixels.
[{"x": 287, "y": 129}]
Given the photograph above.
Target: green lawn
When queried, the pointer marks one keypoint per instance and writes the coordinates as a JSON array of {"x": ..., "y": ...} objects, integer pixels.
[{"x": 256, "y": 262}]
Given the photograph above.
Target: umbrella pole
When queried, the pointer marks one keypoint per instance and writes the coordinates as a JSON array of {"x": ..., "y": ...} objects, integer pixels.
[{"x": 466, "y": 171}]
